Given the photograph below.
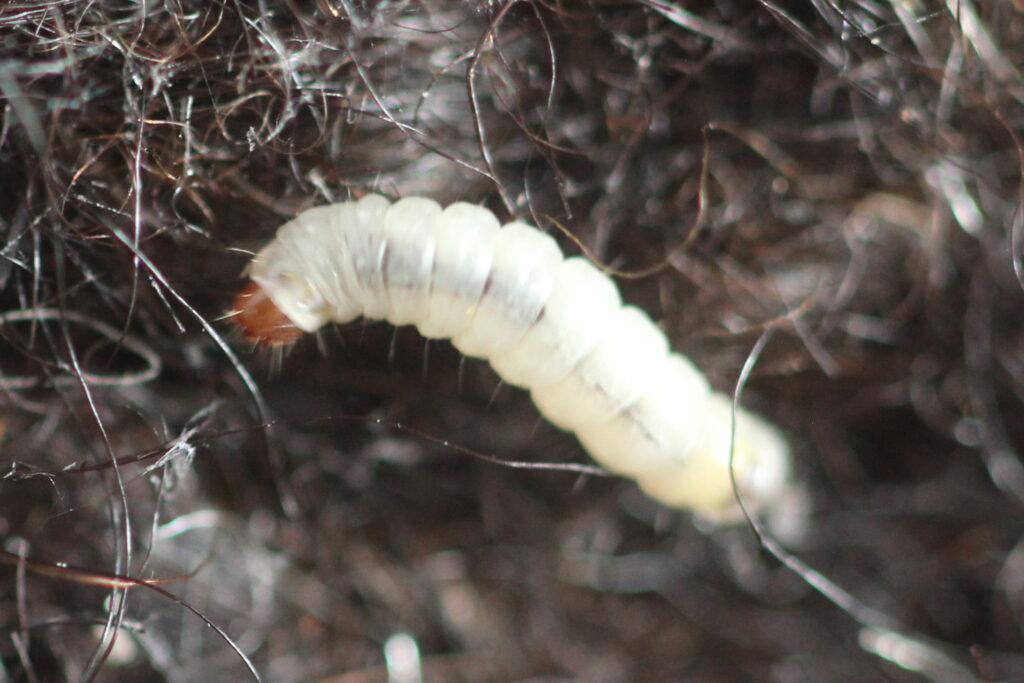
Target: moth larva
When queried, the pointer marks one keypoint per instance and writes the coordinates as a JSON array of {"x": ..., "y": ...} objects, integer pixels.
[{"x": 552, "y": 325}]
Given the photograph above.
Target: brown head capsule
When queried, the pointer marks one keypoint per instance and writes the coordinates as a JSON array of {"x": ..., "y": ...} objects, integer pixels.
[{"x": 261, "y": 321}]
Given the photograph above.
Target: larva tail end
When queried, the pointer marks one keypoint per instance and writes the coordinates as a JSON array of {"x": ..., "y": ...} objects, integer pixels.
[{"x": 261, "y": 321}]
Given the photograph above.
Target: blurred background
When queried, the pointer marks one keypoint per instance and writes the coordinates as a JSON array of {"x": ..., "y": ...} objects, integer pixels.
[{"x": 845, "y": 174}]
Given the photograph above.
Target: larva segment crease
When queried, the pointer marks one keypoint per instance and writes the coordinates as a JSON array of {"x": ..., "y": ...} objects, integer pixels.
[{"x": 555, "y": 326}]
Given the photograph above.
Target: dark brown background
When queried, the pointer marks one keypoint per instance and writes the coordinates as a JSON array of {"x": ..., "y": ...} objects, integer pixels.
[{"x": 861, "y": 195}]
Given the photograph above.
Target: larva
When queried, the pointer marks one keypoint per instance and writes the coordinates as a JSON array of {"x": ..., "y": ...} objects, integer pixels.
[{"x": 552, "y": 325}]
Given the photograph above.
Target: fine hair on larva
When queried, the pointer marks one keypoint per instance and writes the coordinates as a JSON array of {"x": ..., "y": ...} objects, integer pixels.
[{"x": 552, "y": 325}]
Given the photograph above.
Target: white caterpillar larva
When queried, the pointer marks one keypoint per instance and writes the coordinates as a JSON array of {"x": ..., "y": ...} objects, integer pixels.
[{"x": 549, "y": 324}]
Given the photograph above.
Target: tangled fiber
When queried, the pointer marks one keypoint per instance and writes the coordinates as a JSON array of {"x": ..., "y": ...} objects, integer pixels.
[{"x": 818, "y": 201}]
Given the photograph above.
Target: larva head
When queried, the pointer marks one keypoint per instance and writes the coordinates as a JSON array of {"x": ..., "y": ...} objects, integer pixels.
[
  {"x": 282, "y": 302},
  {"x": 261, "y": 321}
]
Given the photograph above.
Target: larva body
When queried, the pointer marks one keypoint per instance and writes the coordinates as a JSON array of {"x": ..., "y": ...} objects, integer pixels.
[{"x": 552, "y": 325}]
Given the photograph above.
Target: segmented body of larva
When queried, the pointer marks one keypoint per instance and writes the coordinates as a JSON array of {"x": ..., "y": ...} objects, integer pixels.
[{"x": 552, "y": 325}]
